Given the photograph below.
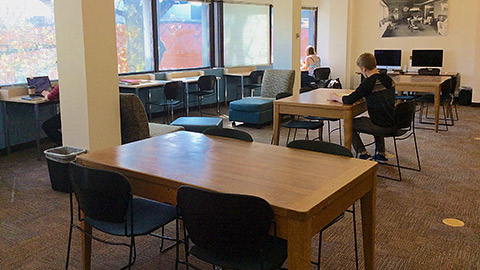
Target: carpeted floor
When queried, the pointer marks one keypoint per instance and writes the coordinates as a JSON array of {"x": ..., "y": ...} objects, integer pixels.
[{"x": 409, "y": 229}]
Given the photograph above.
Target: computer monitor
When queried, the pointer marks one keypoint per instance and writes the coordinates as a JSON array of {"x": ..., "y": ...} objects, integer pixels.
[
  {"x": 427, "y": 58},
  {"x": 388, "y": 59},
  {"x": 41, "y": 83}
]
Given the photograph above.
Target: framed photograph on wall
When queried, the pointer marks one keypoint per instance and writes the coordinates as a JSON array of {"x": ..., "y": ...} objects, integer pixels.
[{"x": 413, "y": 18}]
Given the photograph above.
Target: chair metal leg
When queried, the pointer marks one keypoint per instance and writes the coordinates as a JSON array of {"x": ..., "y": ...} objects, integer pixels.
[
  {"x": 288, "y": 136},
  {"x": 295, "y": 134},
  {"x": 69, "y": 245},
  {"x": 398, "y": 161},
  {"x": 416, "y": 149},
  {"x": 319, "y": 249},
  {"x": 456, "y": 112},
  {"x": 199, "y": 106},
  {"x": 329, "y": 139},
  {"x": 306, "y": 135}
]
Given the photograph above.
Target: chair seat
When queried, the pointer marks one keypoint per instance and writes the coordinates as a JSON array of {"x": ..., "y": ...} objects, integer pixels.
[
  {"x": 405, "y": 97},
  {"x": 149, "y": 216},
  {"x": 275, "y": 253},
  {"x": 252, "y": 105},
  {"x": 388, "y": 133},
  {"x": 161, "y": 129},
  {"x": 202, "y": 93},
  {"x": 166, "y": 102},
  {"x": 319, "y": 118},
  {"x": 303, "y": 124},
  {"x": 250, "y": 86},
  {"x": 198, "y": 124}
]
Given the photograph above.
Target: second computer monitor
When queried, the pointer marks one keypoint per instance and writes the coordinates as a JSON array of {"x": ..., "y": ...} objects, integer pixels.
[
  {"x": 388, "y": 59},
  {"x": 427, "y": 58}
]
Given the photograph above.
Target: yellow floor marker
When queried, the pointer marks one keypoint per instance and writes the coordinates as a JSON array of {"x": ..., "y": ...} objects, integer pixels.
[
  {"x": 478, "y": 139},
  {"x": 453, "y": 222}
]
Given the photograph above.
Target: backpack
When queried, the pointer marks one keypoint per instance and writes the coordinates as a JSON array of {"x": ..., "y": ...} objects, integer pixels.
[{"x": 334, "y": 83}]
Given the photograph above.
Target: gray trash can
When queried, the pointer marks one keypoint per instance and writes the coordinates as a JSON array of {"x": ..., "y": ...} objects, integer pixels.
[{"x": 58, "y": 160}]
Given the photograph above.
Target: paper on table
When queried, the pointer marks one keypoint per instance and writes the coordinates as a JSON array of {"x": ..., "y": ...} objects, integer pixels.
[{"x": 340, "y": 94}]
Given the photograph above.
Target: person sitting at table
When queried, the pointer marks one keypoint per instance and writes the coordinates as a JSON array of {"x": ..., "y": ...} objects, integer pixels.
[
  {"x": 52, "y": 126},
  {"x": 312, "y": 61},
  {"x": 379, "y": 93}
]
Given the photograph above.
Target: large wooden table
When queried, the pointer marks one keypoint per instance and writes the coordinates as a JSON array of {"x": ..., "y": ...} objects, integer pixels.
[
  {"x": 306, "y": 189},
  {"x": 317, "y": 103},
  {"x": 421, "y": 83}
]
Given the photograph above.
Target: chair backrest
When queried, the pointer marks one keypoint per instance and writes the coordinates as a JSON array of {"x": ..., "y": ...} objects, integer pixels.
[
  {"x": 453, "y": 85},
  {"x": 174, "y": 90},
  {"x": 430, "y": 72},
  {"x": 101, "y": 195},
  {"x": 207, "y": 82},
  {"x": 382, "y": 70},
  {"x": 404, "y": 114},
  {"x": 222, "y": 222},
  {"x": 183, "y": 74},
  {"x": 133, "y": 119},
  {"x": 239, "y": 69},
  {"x": 320, "y": 146},
  {"x": 446, "y": 88},
  {"x": 229, "y": 133},
  {"x": 256, "y": 76},
  {"x": 321, "y": 73},
  {"x": 276, "y": 81}
]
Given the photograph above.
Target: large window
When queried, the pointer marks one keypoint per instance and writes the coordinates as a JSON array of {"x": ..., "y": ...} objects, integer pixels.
[
  {"x": 308, "y": 30},
  {"x": 27, "y": 40},
  {"x": 133, "y": 19},
  {"x": 183, "y": 34},
  {"x": 246, "y": 34}
]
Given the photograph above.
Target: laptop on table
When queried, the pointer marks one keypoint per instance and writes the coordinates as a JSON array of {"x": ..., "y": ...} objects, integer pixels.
[{"x": 41, "y": 83}]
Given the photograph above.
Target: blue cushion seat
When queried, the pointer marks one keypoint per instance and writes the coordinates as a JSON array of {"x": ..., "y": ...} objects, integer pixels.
[
  {"x": 198, "y": 124},
  {"x": 251, "y": 110}
]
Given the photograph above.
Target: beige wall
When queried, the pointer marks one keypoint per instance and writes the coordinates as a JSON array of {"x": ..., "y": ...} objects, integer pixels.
[{"x": 460, "y": 49}]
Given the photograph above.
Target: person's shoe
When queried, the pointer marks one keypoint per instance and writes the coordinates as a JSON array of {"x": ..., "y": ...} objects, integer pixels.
[
  {"x": 380, "y": 158},
  {"x": 365, "y": 156}
]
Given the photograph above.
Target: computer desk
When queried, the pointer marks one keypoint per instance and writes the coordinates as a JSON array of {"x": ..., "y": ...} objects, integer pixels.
[{"x": 36, "y": 105}]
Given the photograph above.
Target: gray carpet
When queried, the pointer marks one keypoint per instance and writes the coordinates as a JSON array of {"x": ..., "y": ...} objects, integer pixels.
[{"x": 410, "y": 233}]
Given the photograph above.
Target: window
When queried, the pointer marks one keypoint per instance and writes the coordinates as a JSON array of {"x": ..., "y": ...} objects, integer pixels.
[
  {"x": 308, "y": 30},
  {"x": 246, "y": 34},
  {"x": 133, "y": 19},
  {"x": 27, "y": 40},
  {"x": 183, "y": 34}
]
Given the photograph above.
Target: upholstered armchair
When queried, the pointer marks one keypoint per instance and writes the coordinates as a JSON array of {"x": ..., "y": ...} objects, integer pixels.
[{"x": 134, "y": 121}]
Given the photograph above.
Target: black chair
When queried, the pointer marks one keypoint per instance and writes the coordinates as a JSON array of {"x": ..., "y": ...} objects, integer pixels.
[
  {"x": 296, "y": 123},
  {"x": 206, "y": 87},
  {"x": 321, "y": 74},
  {"x": 382, "y": 71},
  {"x": 228, "y": 230},
  {"x": 453, "y": 85},
  {"x": 334, "y": 149},
  {"x": 256, "y": 78},
  {"x": 106, "y": 201},
  {"x": 173, "y": 97},
  {"x": 229, "y": 133},
  {"x": 404, "y": 116},
  {"x": 446, "y": 98}
]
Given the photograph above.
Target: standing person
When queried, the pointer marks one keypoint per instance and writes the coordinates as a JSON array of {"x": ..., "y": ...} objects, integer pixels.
[
  {"x": 379, "y": 93},
  {"x": 52, "y": 127}
]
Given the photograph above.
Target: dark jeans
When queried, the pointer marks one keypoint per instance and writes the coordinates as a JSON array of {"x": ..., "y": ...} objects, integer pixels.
[
  {"x": 365, "y": 125},
  {"x": 52, "y": 127}
]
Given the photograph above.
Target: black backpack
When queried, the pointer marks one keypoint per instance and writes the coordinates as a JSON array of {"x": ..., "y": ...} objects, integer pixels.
[{"x": 333, "y": 83}]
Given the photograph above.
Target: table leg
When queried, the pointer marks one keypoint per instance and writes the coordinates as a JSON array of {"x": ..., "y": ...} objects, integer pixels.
[
  {"x": 217, "y": 84},
  {"x": 241, "y": 83},
  {"x": 276, "y": 124},
  {"x": 299, "y": 245},
  {"x": 437, "y": 108},
  {"x": 37, "y": 131},
  {"x": 6, "y": 131},
  {"x": 86, "y": 246},
  {"x": 368, "y": 225},
  {"x": 225, "y": 90},
  {"x": 186, "y": 102},
  {"x": 348, "y": 129}
]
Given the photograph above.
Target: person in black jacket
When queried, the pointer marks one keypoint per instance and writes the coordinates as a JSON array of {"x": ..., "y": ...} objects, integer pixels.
[{"x": 379, "y": 93}]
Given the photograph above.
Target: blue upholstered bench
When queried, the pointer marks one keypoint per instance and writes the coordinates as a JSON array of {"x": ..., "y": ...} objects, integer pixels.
[
  {"x": 198, "y": 124},
  {"x": 251, "y": 110}
]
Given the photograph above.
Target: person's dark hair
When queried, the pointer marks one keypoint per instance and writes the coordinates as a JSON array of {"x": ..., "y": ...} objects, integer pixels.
[
  {"x": 310, "y": 50},
  {"x": 367, "y": 60}
]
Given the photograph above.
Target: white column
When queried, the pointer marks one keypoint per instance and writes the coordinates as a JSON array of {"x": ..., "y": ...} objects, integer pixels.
[
  {"x": 287, "y": 16},
  {"x": 87, "y": 67}
]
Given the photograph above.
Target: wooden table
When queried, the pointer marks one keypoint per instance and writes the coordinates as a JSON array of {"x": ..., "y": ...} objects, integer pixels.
[
  {"x": 241, "y": 75},
  {"x": 306, "y": 189},
  {"x": 316, "y": 103},
  {"x": 421, "y": 83},
  {"x": 36, "y": 103},
  {"x": 149, "y": 84}
]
